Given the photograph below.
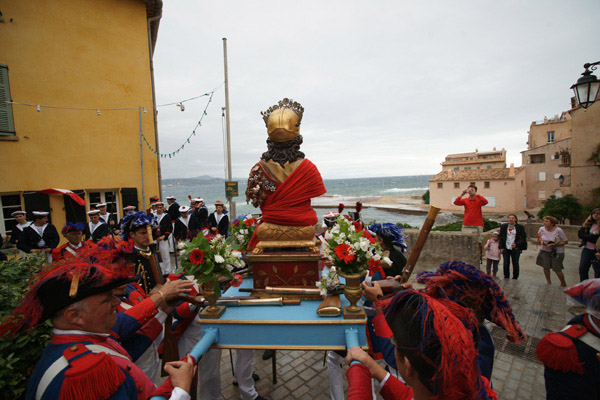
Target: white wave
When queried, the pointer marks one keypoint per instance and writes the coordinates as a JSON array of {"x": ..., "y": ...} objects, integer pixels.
[{"x": 402, "y": 190}]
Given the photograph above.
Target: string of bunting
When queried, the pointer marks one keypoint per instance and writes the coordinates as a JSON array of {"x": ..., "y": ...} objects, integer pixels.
[{"x": 187, "y": 141}]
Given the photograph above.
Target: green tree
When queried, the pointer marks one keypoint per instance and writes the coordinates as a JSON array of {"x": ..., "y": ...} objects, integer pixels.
[
  {"x": 425, "y": 197},
  {"x": 20, "y": 352},
  {"x": 562, "y": 208}
]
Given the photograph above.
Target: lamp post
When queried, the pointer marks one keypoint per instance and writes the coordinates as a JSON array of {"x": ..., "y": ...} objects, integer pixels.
[{"x": 586, "y": 88}]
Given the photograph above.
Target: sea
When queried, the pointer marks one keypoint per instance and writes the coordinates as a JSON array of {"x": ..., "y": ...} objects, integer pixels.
[{"x": 344, "y": 191}]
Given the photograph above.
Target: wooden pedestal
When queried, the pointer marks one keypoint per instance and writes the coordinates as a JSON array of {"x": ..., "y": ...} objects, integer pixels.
[{"x": 284, "y": 269}]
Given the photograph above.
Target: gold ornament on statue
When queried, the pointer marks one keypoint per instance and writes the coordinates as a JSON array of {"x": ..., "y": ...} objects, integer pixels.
[{"x": 283, "y": 120}]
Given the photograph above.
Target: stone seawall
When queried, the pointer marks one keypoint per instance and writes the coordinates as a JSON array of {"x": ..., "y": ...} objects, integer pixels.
[{"x": 443, "y": 246}]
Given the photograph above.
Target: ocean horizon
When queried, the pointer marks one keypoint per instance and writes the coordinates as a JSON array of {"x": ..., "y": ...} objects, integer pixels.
[{"x": 341, "y": 188}]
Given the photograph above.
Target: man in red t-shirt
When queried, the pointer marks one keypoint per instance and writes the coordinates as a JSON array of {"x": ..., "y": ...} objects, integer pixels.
[{"x": 473, "y": 220}]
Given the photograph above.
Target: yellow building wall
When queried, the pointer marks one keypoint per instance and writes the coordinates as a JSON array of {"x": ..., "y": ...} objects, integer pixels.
[
  {"x": 87, "y": 54},
  {"x": 538, "y": 132},
  {"x": 585, "y": 175}
]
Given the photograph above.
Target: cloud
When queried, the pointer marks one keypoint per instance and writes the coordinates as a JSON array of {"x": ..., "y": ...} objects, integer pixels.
[{"x": 389, "y": 87}]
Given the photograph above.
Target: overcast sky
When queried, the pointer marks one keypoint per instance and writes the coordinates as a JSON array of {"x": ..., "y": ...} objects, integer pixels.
[{"x": 389, "y": 87}]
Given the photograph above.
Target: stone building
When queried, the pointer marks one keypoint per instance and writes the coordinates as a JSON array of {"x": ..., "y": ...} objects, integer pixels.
[
  {"x": 475, "y": 160},
  {"x": 504, "y": 188}
]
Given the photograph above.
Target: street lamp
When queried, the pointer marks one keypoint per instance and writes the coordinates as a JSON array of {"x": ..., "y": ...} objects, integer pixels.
[{"x": 586, "y": 88}]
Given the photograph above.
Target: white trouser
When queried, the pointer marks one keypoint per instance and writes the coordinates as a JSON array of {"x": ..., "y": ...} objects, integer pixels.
[
  {"x": 149, "y": 362},
  {"x": 336, "y": 375},
  {"x": 243, "y": 367},
  {"x": 171, "y": 241},
  {"x": 209, "y": 366},
  {"x": 165, "y": 265}
]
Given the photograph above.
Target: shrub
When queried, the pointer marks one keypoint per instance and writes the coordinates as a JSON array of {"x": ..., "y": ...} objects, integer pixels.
[
  {"x": 425, "y": 197},
  {"x": 457, "y": 226},
  {"x": 562, "y": 208},
  {"x": 19, "y": 353},
  {"x": 405, "y": 226}
]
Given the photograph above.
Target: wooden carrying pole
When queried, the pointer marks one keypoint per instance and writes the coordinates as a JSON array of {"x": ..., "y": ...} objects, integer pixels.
[{"x": 416, "y": 251}]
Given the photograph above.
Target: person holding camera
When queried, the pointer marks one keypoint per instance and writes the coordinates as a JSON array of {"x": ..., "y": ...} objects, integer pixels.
[
  {"x": 473, "y": 219},
  {"x": 552, "y": 254}
]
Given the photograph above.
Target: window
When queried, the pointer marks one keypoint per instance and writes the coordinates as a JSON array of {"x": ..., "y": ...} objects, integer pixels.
[
  {"x": 537, "y": 158},
  {"x": 456, "y": 168},
  {"x": 440, "y": 185},
  {"x": 550, "y": 136},
  {"x": 489, "y": 167},
  {"x": 522, "y": 183},
  {"x": 108, "y": 196},
  {"x": 486, "y": 185},
  {"x": 558, "y": 193},
  {"x": 7, "y": 125},
  {"x": 542, "y": 176},
  {"x": 541, "y": 194},
  {"x": 478, "y": 167},
  {"x": 456, "y": 185},
  {"x": 9, "y": 203}
]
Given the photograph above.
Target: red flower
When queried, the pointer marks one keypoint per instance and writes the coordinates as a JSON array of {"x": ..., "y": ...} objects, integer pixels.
[
  {"x": 250, "y": 222},
  {"x": 357, "y": 226},
  {"x": 197, "y": 257},
  {"x": 237, "y": 280},
  {"x": 367, "y": 235},
  {"x": 236, "y": 223},
  {"x": 375, "y": 266},
  {"x": 344, "y": 253}
]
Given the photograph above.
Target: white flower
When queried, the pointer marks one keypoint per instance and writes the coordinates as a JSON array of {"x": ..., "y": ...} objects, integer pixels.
[
  {"x": 236, "y": 254},
  {"x": 181, "y": 245},
  {"x": 352, "y": 228},
  {"x": 335, "y": 229},
  {"x": 364, "y": 244},
  {"x": 229, "y": 267},
  {"x": 328, "y": 235},
  {"x": 387, "y": 260},
  {"x": 219, "y": 259},
  {"x": 332, "y": 269},
  {"x": 356, "y": 246},
  {"x": 376, "y": 257}
]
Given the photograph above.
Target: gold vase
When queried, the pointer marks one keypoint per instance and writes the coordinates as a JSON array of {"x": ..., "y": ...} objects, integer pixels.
[
  {"x": 213, "y": 311},
  {"x": 353, "y": 293}
]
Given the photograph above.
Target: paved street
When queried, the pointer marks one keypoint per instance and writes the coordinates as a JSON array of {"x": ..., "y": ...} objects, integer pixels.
[{"x": 540, "y": 308}]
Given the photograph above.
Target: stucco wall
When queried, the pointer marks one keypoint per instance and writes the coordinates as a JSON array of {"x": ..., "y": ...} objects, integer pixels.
[
  {"x": 532, "y": 229},
  {"x": 85, "y": 54},
  {"x": 538, "y": 132},
  {"x": 443, "y": 246},
  {"x": 551, "y": 168},
  {"x": 585, "y": 175}
]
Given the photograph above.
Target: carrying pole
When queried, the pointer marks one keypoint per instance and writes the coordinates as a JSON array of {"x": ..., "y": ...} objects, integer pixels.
[
  {"x": 142, "y": 161},
  {"x": 227, "y": 133}
]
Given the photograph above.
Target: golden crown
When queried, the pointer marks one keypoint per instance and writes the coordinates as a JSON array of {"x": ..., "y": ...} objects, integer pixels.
[{"x": 285, "y": 103}]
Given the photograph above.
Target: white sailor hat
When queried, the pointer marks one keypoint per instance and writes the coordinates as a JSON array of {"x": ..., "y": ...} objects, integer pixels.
[
  {"x": 101, "y": 205},
  {"x": 40, "y": 213},
  {"x": 17, "y": 212},
  {"x": 128, "y": 208},
  {"x": 171, "y": 198},
  {"x": 93, "y": 211},
  {"x": 219, "y": 203},
  {"x": 158, "y": 203},
  {"x": 184, "y": 209},
  {"x": 199, "y": 199}
]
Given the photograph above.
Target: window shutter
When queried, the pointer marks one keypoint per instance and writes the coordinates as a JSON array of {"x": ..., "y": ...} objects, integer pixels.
[
  {"x": 130, "y": 197},
  {"x": 35, "y": 201},
  {"x": 7, "y": 126},
  {"x": 73, "y": 211}
]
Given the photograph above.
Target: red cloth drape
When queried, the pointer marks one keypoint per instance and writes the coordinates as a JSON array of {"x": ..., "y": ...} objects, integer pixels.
[{"x": 290, "y": 204}]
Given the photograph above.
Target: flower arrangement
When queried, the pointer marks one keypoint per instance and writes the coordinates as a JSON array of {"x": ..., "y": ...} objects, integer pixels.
[
  {"x": 208, "y": 261},
  {"x": 241, "y": 231},
  {"x": 351, "y": 248}
]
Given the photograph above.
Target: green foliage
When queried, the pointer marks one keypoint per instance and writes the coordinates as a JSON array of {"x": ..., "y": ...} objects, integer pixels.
[
  {"x": 425, "y": 197},
  {"x": 457, "y": 226},
  {"x": 19, "y": 353},
  {"x": 208, "y": 261},
  {"x": 595, "y": 156},
  {"x": 405, "y": 226},
  {"x": 595, "y": 203},
  {"x": 563, "y": 208}
]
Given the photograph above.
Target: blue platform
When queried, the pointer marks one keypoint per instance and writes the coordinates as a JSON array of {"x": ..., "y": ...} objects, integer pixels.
[{"x": 283, "y": 327}]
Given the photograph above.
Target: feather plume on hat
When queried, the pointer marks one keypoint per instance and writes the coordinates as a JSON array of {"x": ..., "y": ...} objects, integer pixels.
[
  {"x": 135, "y": 220},
  {"x": 92, "y": 271}
]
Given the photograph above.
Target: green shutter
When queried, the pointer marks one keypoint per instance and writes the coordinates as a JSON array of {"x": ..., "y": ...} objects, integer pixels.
[{"x": 7, "y": 125}]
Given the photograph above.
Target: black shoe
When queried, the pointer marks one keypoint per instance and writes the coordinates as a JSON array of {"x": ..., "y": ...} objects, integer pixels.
[
  {"x": 268, "y": 354},
  {"x": 259, "y": 397},
  {"x": 254, "y": 376}
]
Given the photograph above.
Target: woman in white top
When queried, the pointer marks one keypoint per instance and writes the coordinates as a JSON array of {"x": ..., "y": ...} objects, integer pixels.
[{"x": 552, "y": 254}]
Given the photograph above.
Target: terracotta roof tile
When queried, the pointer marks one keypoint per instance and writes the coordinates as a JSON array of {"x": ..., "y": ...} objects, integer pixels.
[{"x": 476, "y": 175}]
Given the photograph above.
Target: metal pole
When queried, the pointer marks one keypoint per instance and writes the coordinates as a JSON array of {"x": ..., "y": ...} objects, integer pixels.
[
  {"x": 142, "y": 160},
  {"x": 227, "y": 125},
  {"x": 154, "y": 112}
]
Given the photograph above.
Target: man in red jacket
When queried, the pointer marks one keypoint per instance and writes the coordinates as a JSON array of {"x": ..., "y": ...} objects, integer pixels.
[{"x": 473, "y": 220}]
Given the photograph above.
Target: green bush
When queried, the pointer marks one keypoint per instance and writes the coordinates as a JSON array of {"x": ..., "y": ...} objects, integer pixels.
[
  {"x": 425, "y": 197},
  {"x": 19, "y": 353},
  {"x": 562, "y": 208},
  {"x": 405, "y": 226},
  {"x": 457, "y": 226}
]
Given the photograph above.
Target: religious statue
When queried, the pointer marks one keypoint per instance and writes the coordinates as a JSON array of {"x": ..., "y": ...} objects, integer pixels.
[{"x": 282, "y": 184}]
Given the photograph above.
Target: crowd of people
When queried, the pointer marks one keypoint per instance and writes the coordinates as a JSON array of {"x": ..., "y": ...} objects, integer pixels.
[{"x": 109, "y": 308}]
